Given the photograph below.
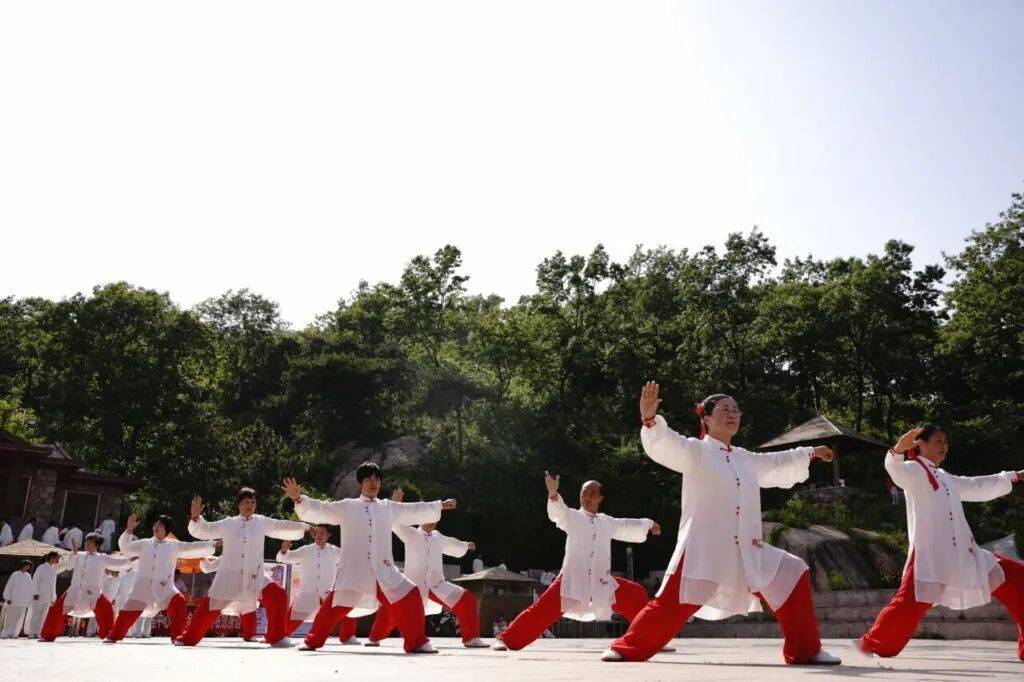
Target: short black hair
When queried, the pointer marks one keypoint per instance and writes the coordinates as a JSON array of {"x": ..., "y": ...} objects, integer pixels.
[
  {"x": 23, "y": 563},
  {"x": 367, "y": 469},
  {"x": 929, "y": 430},
  {"x": 707, "y": 406},
  {"x": 50, "y": 555},
  {"x": 95, "y": 537},
  {"x": 245, "y": 493},
  {"x": 167, "y": 522}
]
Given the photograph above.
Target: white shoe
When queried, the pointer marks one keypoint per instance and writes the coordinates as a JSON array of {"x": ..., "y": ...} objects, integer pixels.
[
  {"x": 284, "y": 643},
  {"x": 858, "y": 649},
  {"x": 498, "y": 646},
  {"x": 109, "y": 641},
  {"x": 371, "y": 642},
  {"x": 425, "y": 648},
  {"x": 475, "y": 643},
  {"x": 352, "y": 641},
  {"x": 306, "y": 647},
  {"x": 611, "y": 655},
  {"x": 824, "y": 658},
  {"x": 178, "y": 643}
]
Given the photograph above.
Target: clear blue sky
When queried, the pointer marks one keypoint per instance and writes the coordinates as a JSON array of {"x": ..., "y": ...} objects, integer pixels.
[{"x": 297, "y": 149}]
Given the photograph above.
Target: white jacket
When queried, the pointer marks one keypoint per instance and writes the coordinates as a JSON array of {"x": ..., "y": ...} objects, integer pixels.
[
  {"x": 26, "y": 532},
  {"x": 87, "y": 580},
  {"x": 950, "y": 569},
  {"x": 720, "y": 521},
  {"x": 248, "y": 603},
  {"x": 44, "y": 580},
  {"x": 424, "y": 565},
  {"x": 240, "y": 567},
  {"x": 19, "y": 590},
  {"x": 318, "y": 569},
  {"x": 111, "y": 583},
  {"x": 6, "y": 535},
  {"x": 588, "y": 587},
  {"x": 52, "y": 536},
  {"x": 154, "y": 574},
  {"x": 107, "y": 528},
  {"x": 73, "y": 534},
  {"x": 366, "y": 559}
]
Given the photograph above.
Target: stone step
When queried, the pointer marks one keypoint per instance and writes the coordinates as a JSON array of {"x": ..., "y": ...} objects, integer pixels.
[
  {"x": 1004, "y": 630},
  {"x": 992, "y": 611}
]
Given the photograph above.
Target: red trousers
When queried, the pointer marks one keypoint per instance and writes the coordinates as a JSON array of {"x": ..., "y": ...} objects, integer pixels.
[
  {"x": 465, "y": 612},
  {"x": 663, "y": 617},
  {"x": 896, "y": 623},
  {"x": 630, "y": 598},
  {"x": 273, "y": 598},
  {"x": 175, "y": 614},
  {"x": 346, "y": 629},
  {"x": 407, "y": 613},
  {"x": 54, "y": 623}
]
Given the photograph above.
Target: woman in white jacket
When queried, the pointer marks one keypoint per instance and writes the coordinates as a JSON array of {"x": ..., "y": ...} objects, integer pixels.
[
  {"x": 153, "y": 586},
  {"x": 17, "y": 598},
  {"x": 85, "y": 595},
  {"x": 44, "y": 588},
  {"x": 945, "y": 565},
  {"x": 240, "y": 568},
  {"x": 317, "y": 565},
  {"x": 721, "y": 565}
]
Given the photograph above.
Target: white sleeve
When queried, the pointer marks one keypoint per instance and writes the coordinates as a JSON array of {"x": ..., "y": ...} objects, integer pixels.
[
  {"x": 782, "y": 469},
  {"x": 904, "y": 473},
  {"x": 292, "y": 556},
  {"x": 405, "y": 533},
  {"x": 201, "y": 529},
  {"x": 195, "y": 550},
  {"x": 285, "y": 530},
  {"x": 630, "y": 530},
  {"x": 668, "y": 448},
  {"x": 413, "y": 513},
  {"x": 130, "y": 547},
  {"x": 454, "y": 547},
  {"x": 558, "y": 512},
  {"x": 984, "y": 488},
  {"x": 319, "y": 511}
]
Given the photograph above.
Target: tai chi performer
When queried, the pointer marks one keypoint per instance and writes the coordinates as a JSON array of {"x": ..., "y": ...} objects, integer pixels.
[
  {"x": 318, "y": 568},
  {"x": 241, "y": 565},
  {"x": 51, "y": 535},
  {"x": 944, "y": 565},
  {"x": 424, "y": 548},
  {"x": 585, "y": 588},
  {"x": 721, "y": 566},
  {"x": 365, "y": 580},
  {"x": 17, "y": 599},
  {"x": 44, "y": 590},
  {"x": 153, "y": 586},
  {"x": 106, "y": 530}
]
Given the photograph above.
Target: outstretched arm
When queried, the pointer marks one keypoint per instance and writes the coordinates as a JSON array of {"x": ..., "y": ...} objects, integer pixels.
[
  {"x": 412, "y": 513},
  {"x": 633, "y": 530},
  {"x": 984, "y": 488},
  {"x": 309, "y": 509},
  {"x": 200, "y": 528},
  {"x": 558, "y": 511},
  {"x": 455, "y": 547},
  {"x": 662, "y": 444},
  {"x": 787, "y": 468}
]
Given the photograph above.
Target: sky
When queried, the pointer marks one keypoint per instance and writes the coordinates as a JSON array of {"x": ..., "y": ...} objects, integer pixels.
[{"x": 298, "y": 148}]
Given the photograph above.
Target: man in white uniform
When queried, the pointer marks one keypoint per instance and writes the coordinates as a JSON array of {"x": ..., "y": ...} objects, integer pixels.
[
  {"x": 317, "y": 565},
  {"x": 44, "y": 590},
  {"x": 17, "y": 598},
  {"x": 107, "y": 530}
]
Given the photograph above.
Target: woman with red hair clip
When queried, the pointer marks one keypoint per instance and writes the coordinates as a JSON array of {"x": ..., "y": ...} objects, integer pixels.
[
  {"x": 944, "y": 564},
  {"x": 721, "y": 566}
]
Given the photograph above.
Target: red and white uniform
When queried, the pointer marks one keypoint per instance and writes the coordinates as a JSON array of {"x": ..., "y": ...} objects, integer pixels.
[
  {"x": 318, "y": 569},
  {"x": 154, "y": 572},
  {"x": 89, "y": 570},
  {"x": 44, "y": 582},
  {"x": 211, "y": 564},
  {"x": 425, "y": 568}
]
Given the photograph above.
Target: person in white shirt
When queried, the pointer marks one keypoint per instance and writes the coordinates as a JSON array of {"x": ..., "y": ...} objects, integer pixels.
[
  {"x": 84, "y": 597},
  {"x": 52, "y": 535},
  {"x": 6, "y": 534},
  {"x": 246, "y": 612},
  {"x": 72, "y": 537},
  {"x": 945, "y": 565},
  {"x": 154, "y": 587},
  {"x": 44, "y": 589},
  {"x": 721, "y": 565},
  {"x": 585, "y": 589},
  {"x": 317, "y": 565},
  {"x": 106, "y": 530},
  {"x": 241, "y": 565},
  {"x": 28, "y": 530},
  {"x": 424, "y": 551},
  {"x": 17, "y": 598},
  {"x": 363, "y": 581},
  {"x": 111, "y": 584}
]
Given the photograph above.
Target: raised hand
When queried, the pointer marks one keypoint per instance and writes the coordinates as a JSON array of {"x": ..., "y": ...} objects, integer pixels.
[
  {"x": 649, "y": 400},
  {"x": 291, "y": 488},
  {"x": 824, "y": 453},
  {"x": 218, "y": 543},
  {"x": 472, "y": 546},
  {"x": 285, "y": 546},
  {"x": 196, "y": 509},
  {"x": 655, "y": 529},
  {"x": 907, "y": 441},
  {"x": 448, "y": 504},
  {"x": 129, "y": 526},
  {"x": 398, "y": 495},
  {"x": 552, "y": 484}
]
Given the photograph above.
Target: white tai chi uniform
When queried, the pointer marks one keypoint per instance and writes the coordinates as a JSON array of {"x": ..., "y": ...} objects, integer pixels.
[
  {"x": 111, "y": 585},
  {"x": 73, "y": 538},
  {"x": 44, "y": 588},
  {"x": 153, "y": 586},
  {"x": 318, "y": 568},
  {"x": 17, "y": 598},
  {"x": 88, "y": 571},
  {"x": 106, "y": 530},
  {"x": 52, "y": 536},
  {"x": 424, "y": 565},
  {"x": 26, "y": 532},
  {"x": 6, "y": 535}
]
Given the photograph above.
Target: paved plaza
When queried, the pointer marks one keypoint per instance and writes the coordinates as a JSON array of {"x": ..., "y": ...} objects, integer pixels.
[{"x": 231, "y": 660}]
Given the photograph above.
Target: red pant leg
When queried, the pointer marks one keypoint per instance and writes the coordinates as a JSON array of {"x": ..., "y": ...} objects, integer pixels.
[
  {"x": 125, "y": 621},
  {"x": 408, "y": 616},
  {"x": 535, "y": 619},
  {"x": 201, "y": 621},
  {"x": 465, "y": 612},
  {"x": 177, "y": 615},
  {"x": 104, "y": 613},
  {"x": 1011, "y": 593},
  {"x": 383, "y": 625},
  {"x": 347, "y": 629},
  {"x": 249, "y": 623},
  {"x": 630, "y": 597},
  {"x": 54, "y": 623},
  {"x": 292, "y": 626},
  {"x": 896, "y": 623},
  {"x": 326, "y": 617},
  {"x": 656, "y": 624},
  {"x": 275, "y": 602},
  {"x": 798, "y": 623}
]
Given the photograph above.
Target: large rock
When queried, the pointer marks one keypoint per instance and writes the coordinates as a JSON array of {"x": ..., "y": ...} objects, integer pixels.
[
  {"x": 828, "y": 550},
  {"x": 394, "y": 454}
]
